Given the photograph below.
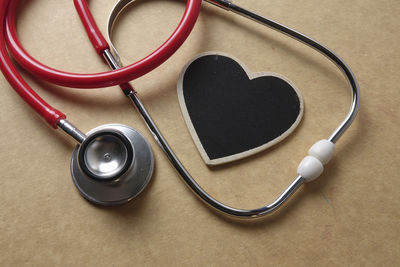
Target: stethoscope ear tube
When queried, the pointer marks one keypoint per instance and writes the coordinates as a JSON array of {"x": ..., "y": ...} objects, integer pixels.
[
  {"x": 355, "y": 89},
  {"x": 311, "y": 166}
]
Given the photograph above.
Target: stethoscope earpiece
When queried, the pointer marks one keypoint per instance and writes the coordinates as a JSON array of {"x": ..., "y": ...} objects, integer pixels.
[{"x": 112, "y": 165}]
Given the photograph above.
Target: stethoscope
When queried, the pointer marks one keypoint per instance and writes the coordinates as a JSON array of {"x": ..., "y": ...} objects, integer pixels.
[{"x": 113, "y": 163}]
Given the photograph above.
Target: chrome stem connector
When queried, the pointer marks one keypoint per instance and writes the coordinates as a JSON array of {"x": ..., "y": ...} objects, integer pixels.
[{"x": 71, "y": 130}]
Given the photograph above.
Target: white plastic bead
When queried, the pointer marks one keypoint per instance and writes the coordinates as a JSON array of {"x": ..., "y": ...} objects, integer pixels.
[
  {"x": 310, "y": 168},
  {"x": 322, "y": 150}
]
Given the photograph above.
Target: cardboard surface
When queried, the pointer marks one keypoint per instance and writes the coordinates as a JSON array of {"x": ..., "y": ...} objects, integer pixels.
[{"x": 349, "y": 217}]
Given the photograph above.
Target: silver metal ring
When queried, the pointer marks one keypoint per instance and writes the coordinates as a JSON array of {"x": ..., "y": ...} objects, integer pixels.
[
  {"x": 112, "y": 165},
  {"x": 116, "y": 11}
]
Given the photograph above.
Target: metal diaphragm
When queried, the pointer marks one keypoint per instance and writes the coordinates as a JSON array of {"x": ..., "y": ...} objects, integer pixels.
[{"x": 112, "y": 165}]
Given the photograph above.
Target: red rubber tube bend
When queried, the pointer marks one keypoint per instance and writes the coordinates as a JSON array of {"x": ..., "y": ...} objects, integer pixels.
[
  {"x": 93, "y": 32},
  {"x": 103, "y": 79},
  {"x": 50, "y": 114},
  {"x": 96, "y": 37}
]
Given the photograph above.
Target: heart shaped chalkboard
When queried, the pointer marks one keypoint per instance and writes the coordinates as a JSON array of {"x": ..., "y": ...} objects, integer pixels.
[{"x": 231, "y": 112}]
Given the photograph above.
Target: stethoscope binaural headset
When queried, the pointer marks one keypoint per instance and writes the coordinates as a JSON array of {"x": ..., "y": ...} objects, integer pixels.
[{"x": 113, "y": 163}]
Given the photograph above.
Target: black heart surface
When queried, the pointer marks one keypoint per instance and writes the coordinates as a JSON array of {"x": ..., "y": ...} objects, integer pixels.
[{"x": 231, "y": 112}]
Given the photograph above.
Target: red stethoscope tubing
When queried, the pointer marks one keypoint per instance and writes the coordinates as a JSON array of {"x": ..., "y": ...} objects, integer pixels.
[
  {"x": 50, "y": 114},
  {"x": 97, "y": 80},
  {"x": 103, "y": 79},
  {"x": 95, "y": 36}
]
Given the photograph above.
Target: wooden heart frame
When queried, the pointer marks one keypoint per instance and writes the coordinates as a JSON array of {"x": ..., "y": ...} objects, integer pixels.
[{"x": 251, "y": 75}]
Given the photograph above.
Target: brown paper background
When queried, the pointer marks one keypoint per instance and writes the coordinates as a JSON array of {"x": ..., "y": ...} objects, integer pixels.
[{"x": 350, "y": 216}]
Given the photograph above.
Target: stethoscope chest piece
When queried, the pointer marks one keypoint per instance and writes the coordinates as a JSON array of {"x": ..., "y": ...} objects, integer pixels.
[{"x": 112, "y": 165}]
